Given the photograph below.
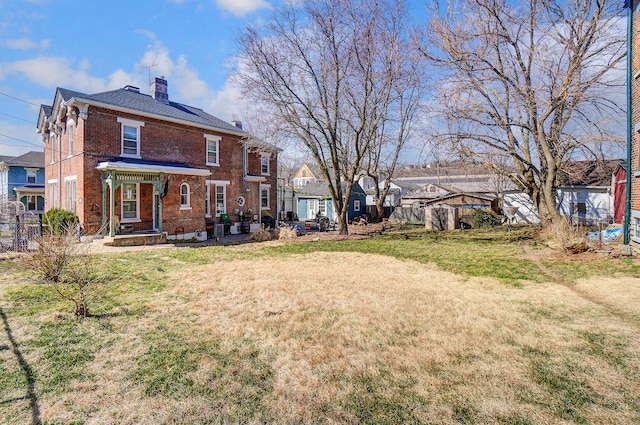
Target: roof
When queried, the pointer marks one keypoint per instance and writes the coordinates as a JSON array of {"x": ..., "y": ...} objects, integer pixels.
[
  {"x": 30, "y": 159},
  {"x": 588, "y": 173},
  {"x": 132, "y": 100},
  {"x": 4, "y": 158},
  {"x": 320, "y": 189},
  {"x": 141, "y": 165}
]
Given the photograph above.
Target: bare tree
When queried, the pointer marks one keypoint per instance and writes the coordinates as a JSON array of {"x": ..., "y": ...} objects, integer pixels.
[
  {"x": 408, "y": 92},
  {"x": 64, "y": 263},
  {"x": 532, "y": 81},
  {"x": 328, "y": 69}
]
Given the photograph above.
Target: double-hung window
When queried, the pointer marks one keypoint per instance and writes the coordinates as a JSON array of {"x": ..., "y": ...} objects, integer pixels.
[
  {"x": 130, "y": 204},
  {"x": 70, "y": 193},
  {"x": 31, "y": 176},
  {"x": 185, "y": 196},
  {"x": 264, "y": 196},
  {"x": 213, "y": 149},
  {"x": 70, "y": 138},
  {"x": 130, "y": 137},
  {"x": 264, "y": 164},
  {"x": 53, "y": 193}
]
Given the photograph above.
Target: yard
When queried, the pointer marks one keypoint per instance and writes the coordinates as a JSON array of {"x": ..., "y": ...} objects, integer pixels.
[{"x": 435, "y": 328}]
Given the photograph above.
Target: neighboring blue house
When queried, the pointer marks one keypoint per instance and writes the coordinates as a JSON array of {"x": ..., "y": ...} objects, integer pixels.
[
  {"x": 22, "y": 179},
  {"x": 314, "y": 200}
]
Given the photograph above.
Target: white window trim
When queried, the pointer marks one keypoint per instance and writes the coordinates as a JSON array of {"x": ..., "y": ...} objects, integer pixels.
[
  {"x": 54, "y": 198},
  {"x": 217, "y": 139},
  {"x": 130, "y": 123},
  {"x": 52, "y": 148},
  {"x": 356, "y": 205},
  {"x": 70, "y": 126},
  {"x": 268, "y": 188},
  {"x": 137, "y": 218},
  {"x": 268, "y": 157},
  {"x": 212, "y": 205},
  {"x": 35, "y": 174},
  {"x": 66, "y": 198},
  {"x": 186, "y": 206}
]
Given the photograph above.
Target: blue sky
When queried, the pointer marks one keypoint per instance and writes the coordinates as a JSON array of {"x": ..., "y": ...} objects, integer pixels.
[{"x": 94, "y": 45}]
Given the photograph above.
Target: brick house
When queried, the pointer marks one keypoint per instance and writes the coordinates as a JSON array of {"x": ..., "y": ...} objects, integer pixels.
[{"x": 125, "y": 161}]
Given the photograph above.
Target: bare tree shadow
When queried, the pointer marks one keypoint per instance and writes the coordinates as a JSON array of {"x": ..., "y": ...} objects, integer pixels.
[{"x": 26, "y": 368}]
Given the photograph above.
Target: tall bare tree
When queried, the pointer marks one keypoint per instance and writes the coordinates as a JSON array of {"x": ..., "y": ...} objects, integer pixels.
[
  {"x": 329, "y": 68},
  {"x": 534, "y": 81},
  {"x": 408, "y": 93}
]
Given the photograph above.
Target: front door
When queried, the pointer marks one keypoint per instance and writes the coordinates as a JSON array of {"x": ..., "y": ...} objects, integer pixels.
[{"x": 156, "y": 209}]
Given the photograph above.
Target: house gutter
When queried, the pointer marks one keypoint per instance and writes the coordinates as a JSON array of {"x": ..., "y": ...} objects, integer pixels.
[{"x": 627, "y": 214}]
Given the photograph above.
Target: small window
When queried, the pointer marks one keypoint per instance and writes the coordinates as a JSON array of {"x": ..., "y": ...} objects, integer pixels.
[
  {"x": 304, "y": 173},
  {"x": 264, "y": 164},
  {"x": 185, "y": 196},
  {"x": 31, "y": 176},
  {"x": 356, "y": 205},
  {"x": 264, "y": 197},
  {"x": 213, "y": 150}
]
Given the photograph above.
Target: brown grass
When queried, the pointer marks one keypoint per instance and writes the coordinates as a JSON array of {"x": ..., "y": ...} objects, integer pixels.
[
  {"x": 334, "y": 318},
  {"x": 345, "y": 329}
]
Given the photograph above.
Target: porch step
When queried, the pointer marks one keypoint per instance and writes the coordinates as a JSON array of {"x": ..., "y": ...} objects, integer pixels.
[{"x": 134, "y": 239}]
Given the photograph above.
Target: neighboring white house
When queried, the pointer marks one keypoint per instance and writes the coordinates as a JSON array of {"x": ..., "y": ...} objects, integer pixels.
[{"x": 585, "y": 195}]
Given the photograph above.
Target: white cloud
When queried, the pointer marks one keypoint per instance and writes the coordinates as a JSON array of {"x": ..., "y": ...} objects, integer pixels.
[
  {"x": 242, "y": 7},
  {"x": 149, "y": 34},
  {"x": 185, "y": 84},
  {"x": 27, "y": 44},
  {"x": 53, "y": 71}
]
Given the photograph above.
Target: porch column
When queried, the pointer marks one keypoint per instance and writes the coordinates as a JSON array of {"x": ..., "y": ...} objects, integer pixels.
[
  {"x": 112, "y": 207},
  {"x": 160, "y": 188},
  {"x": 104, "y": 202}
]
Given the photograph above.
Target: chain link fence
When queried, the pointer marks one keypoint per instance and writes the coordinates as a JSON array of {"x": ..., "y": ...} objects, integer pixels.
[{"x": 19, "y": 229}]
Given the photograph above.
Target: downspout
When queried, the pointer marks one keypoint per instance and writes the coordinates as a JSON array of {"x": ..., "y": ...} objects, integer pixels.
[{"x": 627, "y": 214}]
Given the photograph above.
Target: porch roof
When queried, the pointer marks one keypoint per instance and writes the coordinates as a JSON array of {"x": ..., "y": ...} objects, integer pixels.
[
  {"x": 151, "y": 167},
  {"x": 30, "y": 188}
]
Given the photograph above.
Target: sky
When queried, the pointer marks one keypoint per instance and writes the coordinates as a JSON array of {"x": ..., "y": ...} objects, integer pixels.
[{"x": 93, "y": 46}]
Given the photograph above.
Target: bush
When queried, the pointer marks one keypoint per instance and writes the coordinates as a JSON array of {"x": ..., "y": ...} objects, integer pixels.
[
  {"x": 58, "y": 221},
  {"x": 485, "y": 219}
]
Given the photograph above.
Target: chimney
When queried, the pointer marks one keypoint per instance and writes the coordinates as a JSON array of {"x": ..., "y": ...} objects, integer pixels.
[
  {"x": 159, "y": 89},
  {"x": 237, "y": 123}
]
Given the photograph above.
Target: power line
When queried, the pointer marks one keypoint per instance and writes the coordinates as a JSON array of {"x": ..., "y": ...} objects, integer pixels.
[
  {"x": 17, "y": 98},
  {"x": 20, "y": 140},
  {"x": 13, "y": 116}
]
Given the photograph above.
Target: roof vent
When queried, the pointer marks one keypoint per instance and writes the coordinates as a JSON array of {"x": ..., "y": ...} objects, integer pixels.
[
  {"x": 159, "y": 89},
  {"x": 132, "y": 88}
]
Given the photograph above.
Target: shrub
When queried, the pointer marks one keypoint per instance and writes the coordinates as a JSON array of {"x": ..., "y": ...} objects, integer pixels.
[
  {"x": 485, "y": 218},
  {"x": 58, "y": 221}
]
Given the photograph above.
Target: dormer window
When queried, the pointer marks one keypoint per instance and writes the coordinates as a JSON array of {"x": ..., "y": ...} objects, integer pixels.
[{"x": 130, "y": 140}]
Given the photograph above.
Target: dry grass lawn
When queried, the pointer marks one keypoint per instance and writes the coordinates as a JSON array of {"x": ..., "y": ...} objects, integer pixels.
[{"x": 363, "y": 338}]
